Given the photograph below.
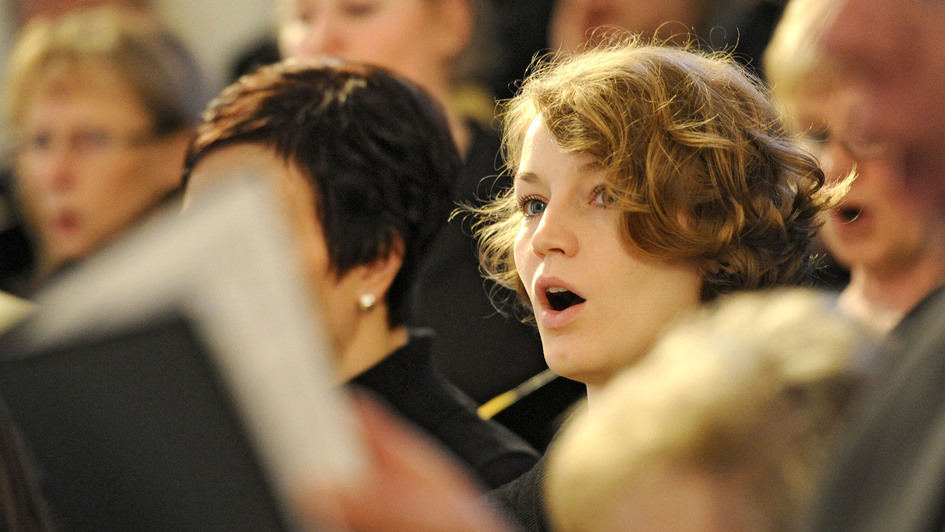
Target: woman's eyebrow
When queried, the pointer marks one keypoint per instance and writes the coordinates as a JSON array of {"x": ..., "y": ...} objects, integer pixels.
[{"x": 525, "y": 177}]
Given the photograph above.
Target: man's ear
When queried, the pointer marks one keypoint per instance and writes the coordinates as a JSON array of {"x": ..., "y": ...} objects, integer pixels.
[{"x": 376, "y": 277}]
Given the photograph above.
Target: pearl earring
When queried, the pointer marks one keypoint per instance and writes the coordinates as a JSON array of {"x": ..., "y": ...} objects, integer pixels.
[{"x": 367, "y": 301}]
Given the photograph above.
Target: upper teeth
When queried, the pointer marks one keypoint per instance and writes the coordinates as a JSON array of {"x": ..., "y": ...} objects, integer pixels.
[{"x": 557, "y": 290}]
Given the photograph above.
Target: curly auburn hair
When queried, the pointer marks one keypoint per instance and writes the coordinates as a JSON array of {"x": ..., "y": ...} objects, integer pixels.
[{"x": 696, "y": 159}]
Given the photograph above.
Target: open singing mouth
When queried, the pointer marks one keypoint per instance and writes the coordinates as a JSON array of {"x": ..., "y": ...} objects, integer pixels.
[
  {"x": 562, "y": 299},
  {"x": 849, "y": 214}
]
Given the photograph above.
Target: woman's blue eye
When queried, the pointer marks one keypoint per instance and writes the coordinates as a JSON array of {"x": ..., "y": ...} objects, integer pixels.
[
  {"x": 601, "y": 198},
  {"x": 533, "y": 206}
]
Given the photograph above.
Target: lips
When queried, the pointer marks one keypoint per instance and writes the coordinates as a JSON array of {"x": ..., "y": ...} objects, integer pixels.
[
  {"x": 852, "y": 221},
  {"x": 557, "y": 303},
  {"x": 848, "y": 213},
  {"x": 66, "y": 221}
]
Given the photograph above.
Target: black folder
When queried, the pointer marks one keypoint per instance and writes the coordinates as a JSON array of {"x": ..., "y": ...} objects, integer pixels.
[{"x": 179, "y": 379}]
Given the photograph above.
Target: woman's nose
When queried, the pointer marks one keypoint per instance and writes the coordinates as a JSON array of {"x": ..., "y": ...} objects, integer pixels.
[{"x": 555, "y": 232}]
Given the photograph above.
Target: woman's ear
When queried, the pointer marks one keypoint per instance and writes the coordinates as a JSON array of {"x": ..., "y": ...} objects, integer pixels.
[{"x": 376, "y": 277}]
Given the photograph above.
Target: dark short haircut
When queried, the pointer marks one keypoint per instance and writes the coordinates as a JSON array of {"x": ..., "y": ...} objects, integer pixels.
[{"x": 376, "y": 148}]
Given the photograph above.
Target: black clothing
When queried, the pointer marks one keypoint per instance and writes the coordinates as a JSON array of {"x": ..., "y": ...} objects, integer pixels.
[
  {"x": 408, "y": 381},
  {"x": 521, "y": 32},
  {"x": 521, "y": 501},
  {"x": 889, "y": 471},
  {"x": 17, "y": 256},
  {"x": 750, "y": 35},
  {"x": 528, "y": 407},
  {"x": 481, "y": 351}
]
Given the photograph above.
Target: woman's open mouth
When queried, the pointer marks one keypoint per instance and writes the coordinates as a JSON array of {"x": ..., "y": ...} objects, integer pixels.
[
  {"x": 65, "y": 221},
  {"x": 562, "y": 299},
  {"x": 849, "y": 214},
  {"x": 555, "y": 305}
]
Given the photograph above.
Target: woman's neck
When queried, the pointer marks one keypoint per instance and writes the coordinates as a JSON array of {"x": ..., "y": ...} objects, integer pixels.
[{"x": 372, "y": 341}]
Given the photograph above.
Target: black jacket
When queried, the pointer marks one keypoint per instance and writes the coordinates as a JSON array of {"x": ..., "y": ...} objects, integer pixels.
[{"x": 408, "y": 381}]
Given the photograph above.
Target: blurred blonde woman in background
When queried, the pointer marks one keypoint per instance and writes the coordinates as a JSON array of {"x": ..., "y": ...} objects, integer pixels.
[
  {"x": 892, "y": 240},
  {"x": 100, "y": 106}
]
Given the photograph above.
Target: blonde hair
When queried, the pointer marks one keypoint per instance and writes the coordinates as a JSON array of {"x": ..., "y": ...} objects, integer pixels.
[
  {"x": 696, "y": 157},
  {"x": 793, "y": 61},
  {"x": 155, "y": 64},
  {"x": 754, "y": 387}
]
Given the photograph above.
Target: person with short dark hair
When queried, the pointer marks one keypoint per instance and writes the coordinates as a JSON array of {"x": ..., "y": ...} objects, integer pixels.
[
  {"x": 363, "y": 161},
  {"x": 483, "y": 351}
]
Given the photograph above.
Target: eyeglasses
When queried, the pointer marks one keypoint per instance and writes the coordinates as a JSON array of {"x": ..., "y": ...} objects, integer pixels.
[{"x": 83, "y": 142}]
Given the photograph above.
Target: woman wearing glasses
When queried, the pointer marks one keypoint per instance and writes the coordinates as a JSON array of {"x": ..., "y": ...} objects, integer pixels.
[{"x": 100, "y": 107}]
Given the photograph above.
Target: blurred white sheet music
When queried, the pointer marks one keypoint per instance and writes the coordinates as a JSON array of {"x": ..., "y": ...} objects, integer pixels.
[{"x": 225, "y": 264}]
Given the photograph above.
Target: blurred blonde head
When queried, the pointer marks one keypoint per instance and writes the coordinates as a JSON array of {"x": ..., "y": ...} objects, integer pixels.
[
  {"x": 891, "y": 238},
  {"x": 737, "y": 407}
]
